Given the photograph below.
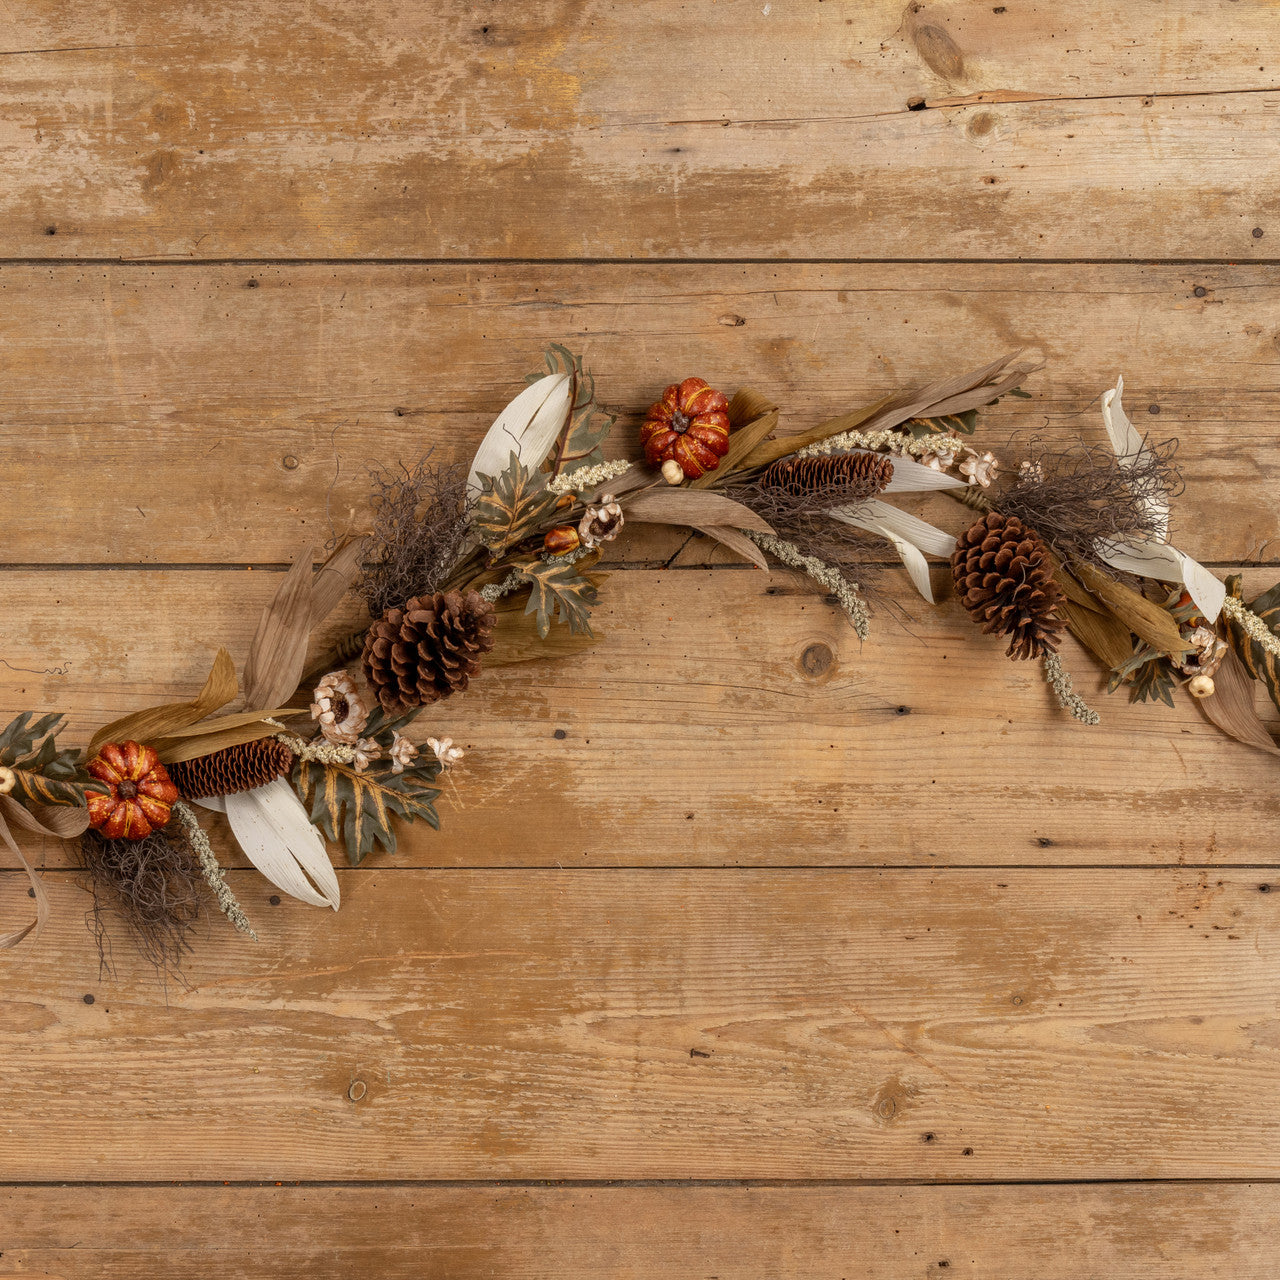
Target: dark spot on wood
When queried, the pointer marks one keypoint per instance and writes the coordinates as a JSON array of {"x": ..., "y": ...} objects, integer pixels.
[
  {"x": 816, "y": 660},
  {"x": 915, "y": 104},
  {"x": 698, "y": 1053},
  {"x": 88, "y": 998},
  {"x": 560, "y": 734},
  {"x": 31, "y": 893},
  {"x": 998, "y": 9},
  {"x": 274, "y": 899},
  {"x": 51, "y": 231},
  {"x": 1200, "y": 291},
  {"x": 251, "y": 284},
  {"x": 732, "y": 320},
  {"x": 1257, "y": 233},
  {"x": 1017, "y": 999},
  {"x": 902, "y": 711},
  {"x": 929, "y": 1137},
  {"x": 290, "y": 462},
  {"x": 688, "y": 817},
  {"x": 939, "y": 52},
  {"x": 1044, "y": 842},
  {"x": 968, "y": 1151},
  {"x": 1153, "y": 408},
  {"x": 1264, "y": 888},
  {"x": 981, "y": 124}
]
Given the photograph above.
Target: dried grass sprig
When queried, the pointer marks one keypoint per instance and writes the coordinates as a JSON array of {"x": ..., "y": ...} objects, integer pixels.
[
  {"x": 1068, "y": 699},
  {"x": 156, "y": 887},
  {"x": 1084, "y": 495},
  {"x": 843, "y": 588},
  {"x": 214, "y": 876},
  {"x": 420, "y": 528}
]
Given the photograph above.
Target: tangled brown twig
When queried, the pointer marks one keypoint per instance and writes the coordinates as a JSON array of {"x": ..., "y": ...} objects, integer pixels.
[
  {"x": 1079, "y": 497},
  {"x": 157, "y": 888},
  {"x": 419, "y": 530}
]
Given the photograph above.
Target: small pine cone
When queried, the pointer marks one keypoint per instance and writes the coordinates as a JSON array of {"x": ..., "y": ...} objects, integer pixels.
[
  {"x": 238, "y": 768},
  {"x": 852, "y": 477},
  {"x": 1003, "y": 577},
  {"x": 427, "y": 650}
]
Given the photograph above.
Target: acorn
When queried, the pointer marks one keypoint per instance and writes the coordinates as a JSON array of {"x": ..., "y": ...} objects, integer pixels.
[
  {"x": 1201, "y": 687},
  {"x": 561, "y": 540}
]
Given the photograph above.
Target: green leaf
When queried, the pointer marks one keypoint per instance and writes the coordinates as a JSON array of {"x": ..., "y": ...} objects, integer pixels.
[
  {"x": 1258, "y": 662},
  {"x": 559, "y": 590},
  {"x": 359, "y": 809},
  {"x": 511, "y": 506},
  {"x": 45, "y": 774}
]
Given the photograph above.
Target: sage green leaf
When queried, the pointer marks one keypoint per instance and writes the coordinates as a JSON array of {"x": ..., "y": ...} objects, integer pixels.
[
  {"x": 43, "y": 773},
  {"x": 358, "y": 809},
  {"x": 511, "y": 506},
  {"x": 559, "y": 590}
]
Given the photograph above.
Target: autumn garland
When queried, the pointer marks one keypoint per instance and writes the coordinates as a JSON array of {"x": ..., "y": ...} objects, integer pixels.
[{"x": 466, "y": 567}]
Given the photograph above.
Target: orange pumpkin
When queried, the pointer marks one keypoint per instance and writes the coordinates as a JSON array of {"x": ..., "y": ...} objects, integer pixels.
[
  {"x": 139, "y": 794},
  {"x": 690, "y": 424}
]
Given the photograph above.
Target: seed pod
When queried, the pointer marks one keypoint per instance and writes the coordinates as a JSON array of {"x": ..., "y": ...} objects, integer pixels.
[{"x": 561, "y": 540}]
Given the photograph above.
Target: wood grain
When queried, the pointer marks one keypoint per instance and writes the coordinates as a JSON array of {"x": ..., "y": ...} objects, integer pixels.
[
  {"x": 726, "y": 718},
  {"x": 1177, "y": 1231},
  {"x": 971, "y": 1025},
  {"x": 176, "y": 415},
  {"x": 576, "y": 128}
]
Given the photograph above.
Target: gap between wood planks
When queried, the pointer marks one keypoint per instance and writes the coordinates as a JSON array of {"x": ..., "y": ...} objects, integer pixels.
[
  {"x": 184, "y": 260},
  {"x": 573, "y": 1184}
]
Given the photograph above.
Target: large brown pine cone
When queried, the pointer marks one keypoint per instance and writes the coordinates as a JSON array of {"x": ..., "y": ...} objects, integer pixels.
[
  {"x": 1003, "y": 576},
  {"x": 862, "y": 475},
  {"x": 427, "y": 650},
  {"x": 238, "y": 768}
]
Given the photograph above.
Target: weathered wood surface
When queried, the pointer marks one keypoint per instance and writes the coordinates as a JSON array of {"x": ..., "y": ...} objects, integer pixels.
[
  {"x": 970, "y": 1025},
  {"x": 117, "y": 381},
  {"x": 578, "y": 128},
  {"x": 726, "y": 717},
  {"x": 691, "y": 869},
  {"x": 1179, "y": 1231}
]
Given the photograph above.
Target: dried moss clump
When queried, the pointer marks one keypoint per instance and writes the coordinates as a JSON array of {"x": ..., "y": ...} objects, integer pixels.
[{"x": 420, "y": 526}]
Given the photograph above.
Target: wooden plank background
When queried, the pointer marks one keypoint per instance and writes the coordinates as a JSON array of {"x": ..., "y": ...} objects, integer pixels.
[{"x": 746, "y": 950}]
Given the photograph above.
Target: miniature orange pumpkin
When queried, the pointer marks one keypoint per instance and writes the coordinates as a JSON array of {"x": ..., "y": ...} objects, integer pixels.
[
  {"x": 139, "y": 794},
  {"x": 689, "y": 425}
]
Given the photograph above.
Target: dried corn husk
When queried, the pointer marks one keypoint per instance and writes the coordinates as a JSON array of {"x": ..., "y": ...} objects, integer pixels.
[
  {"x": 1146, "y": 620},
  {"x": 158, "y": 722},
  {"x": 771, "y": 450},
  {"x": 694, "y": 507},
  {"x": 741, "y": 445},
  {"x": 1106, "y": 638}
]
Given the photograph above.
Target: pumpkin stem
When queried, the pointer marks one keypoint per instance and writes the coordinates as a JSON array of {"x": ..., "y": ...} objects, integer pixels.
[{"x": 679, "y": 423}]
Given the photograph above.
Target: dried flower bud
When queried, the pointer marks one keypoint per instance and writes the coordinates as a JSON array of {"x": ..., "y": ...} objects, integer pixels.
[
  {"x": 672, "y": 472},
  {"x": 561, "y": 540},
  {"x": 602, "y": 522},
  {"x": 1201, "y": 687}
]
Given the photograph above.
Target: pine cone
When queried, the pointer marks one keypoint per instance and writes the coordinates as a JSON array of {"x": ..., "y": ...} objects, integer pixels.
[
  {"x": 427, "y": 650},
  {"x": 863, "y": 475},
  {"x": 1003, "y": 577},
  {"x": 238, "y": 768}
]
